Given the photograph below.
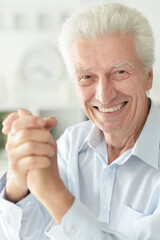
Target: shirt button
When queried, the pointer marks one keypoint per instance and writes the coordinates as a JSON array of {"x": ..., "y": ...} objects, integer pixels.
[
  {"x": 109, "y": 170},
  {"x": 73, "y": 231},
  {"x": 105, "y": 207}
]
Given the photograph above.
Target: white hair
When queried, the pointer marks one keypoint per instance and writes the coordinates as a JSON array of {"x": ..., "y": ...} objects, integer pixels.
[{"x": 109, "y": 18}]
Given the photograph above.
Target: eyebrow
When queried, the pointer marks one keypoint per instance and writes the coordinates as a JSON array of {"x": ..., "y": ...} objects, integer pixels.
[
  {"x": 81, "y": 69},
  {"x": 122, "y": 64}
]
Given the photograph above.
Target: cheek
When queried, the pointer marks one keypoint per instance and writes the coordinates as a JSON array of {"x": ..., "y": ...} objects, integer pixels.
[
  {"x": 135, "y": 86},
  {"x": 125, "y": 88},
  {"x": 79, "y": 93},
  {"x": 83, "y": 94}
]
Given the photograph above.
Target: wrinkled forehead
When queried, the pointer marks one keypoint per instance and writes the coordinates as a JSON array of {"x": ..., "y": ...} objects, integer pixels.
[{"x": 113, "y": 51}]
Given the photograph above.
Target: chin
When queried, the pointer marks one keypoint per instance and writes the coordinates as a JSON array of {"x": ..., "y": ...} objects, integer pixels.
[{"x": 110, "y": 128}]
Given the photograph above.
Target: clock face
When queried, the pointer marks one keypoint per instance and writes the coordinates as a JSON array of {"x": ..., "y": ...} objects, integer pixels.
[{"x": 42, "y": 65}]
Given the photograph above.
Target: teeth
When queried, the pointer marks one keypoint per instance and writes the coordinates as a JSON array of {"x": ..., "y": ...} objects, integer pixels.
[{"x": 110, "y": 110}]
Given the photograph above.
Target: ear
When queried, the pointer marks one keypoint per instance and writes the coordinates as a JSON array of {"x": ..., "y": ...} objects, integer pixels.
[{"x": 149, "y": 80}]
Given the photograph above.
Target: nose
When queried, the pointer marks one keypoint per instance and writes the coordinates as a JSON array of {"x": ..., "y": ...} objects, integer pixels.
[{"x": 105, "y": 91}]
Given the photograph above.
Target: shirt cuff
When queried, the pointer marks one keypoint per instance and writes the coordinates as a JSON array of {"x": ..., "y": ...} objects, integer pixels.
[
  {"x": 79, "y": 223},
  {"x": 10, "y": 220},
  {"x": 7, "y": 207}
]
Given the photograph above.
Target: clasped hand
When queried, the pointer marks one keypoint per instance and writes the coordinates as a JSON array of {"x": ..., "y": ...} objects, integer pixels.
[{"x": 32, "y": 155}]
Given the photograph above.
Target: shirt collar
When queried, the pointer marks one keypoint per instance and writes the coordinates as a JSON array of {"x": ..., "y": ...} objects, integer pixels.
[
  {"x": 146, "y": 147},
  {"x": 94, "y": 138}
]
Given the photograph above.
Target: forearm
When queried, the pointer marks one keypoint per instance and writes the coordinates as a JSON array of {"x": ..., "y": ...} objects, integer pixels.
[{"x": 57, "y": 205}]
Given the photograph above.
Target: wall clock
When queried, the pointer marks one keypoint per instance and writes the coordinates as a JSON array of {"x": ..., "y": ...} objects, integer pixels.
[{"x": 41, "y": 66}]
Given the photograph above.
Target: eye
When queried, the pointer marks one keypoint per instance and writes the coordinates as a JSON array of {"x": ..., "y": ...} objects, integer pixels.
[
  {"x": 85, "y": 80},
  {"x": 120, "y": 75},
  {"x": 120, "y": 72},
  {"x": 86, "y": 76}
]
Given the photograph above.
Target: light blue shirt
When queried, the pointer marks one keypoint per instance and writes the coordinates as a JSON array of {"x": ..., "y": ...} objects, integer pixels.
[{"x": 120, "y": 201}]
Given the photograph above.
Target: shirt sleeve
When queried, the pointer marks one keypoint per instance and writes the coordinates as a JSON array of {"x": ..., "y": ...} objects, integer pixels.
[
  {"x": 79, "y": 223},
  {"x": 10, "y": 220},
  {"x": 10, "y": 216},
  {"x": 27, "y": 219}
]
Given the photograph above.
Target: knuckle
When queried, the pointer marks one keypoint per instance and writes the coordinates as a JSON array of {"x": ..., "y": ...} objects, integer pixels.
[
  {"x": 30, "y": 147},
  {"x": 45, "y": 162},
  {"x": 13, "y": 165},
  {"x": 23, "y": 134},
  {"x": 49, "y": 147},
  {"x": 30, "y": 161},
  {"x": 9, "y": 150},
  {"x": 52, "y": 151},
  {"x": 11, "y": 155},
  {"x": 54, "y": 144},
  {"x": 50, "y": 138},
  {"x": 35, "y": 120}
]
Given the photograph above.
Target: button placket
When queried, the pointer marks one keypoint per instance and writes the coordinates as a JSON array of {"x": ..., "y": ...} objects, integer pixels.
[
  {"x": 105, "y": 207},
  {"x": 106, "y": 188}
]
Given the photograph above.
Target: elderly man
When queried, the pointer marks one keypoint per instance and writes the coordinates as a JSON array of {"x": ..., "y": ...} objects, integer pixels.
[{"x": 106, "y": 184}]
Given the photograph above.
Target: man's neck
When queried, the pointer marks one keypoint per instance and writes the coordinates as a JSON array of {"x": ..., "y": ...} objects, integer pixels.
[{"x": 120, "y": 141}]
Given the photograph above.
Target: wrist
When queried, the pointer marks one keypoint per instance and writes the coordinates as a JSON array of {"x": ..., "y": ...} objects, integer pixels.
[
  {"x": 58, "y": 204},
  {"x": 14, "y": 193}
]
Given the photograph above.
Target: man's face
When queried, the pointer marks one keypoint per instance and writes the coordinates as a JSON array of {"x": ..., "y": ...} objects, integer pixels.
[{"x": 111, "y": 82}]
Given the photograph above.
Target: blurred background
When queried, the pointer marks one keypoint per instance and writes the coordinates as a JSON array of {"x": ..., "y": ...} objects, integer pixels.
[{"x": 32, "y": 73}]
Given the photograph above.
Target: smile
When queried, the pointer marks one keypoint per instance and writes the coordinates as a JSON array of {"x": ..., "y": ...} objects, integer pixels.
[{"x": 111, "y": 110}]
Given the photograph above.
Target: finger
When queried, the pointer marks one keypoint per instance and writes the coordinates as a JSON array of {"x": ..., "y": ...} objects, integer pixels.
[
  {"x": 7, "y": 123},
  {"x": 30, "y": 149},
  {"x": 34, "y": 162},
  {"x": 27, "y": 122},
  {"x": 10, "y": 118},
  {"x": 48, "y": 121},
  {"x": 6, "y": 129},
  {"x": 36, "y": 135}
]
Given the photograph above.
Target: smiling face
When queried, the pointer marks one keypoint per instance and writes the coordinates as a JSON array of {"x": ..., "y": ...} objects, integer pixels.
[{"x": 111, "y": 83}]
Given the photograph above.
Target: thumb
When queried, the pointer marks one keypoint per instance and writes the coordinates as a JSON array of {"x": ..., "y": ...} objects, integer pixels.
[{"x": 50, "y": 122}]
